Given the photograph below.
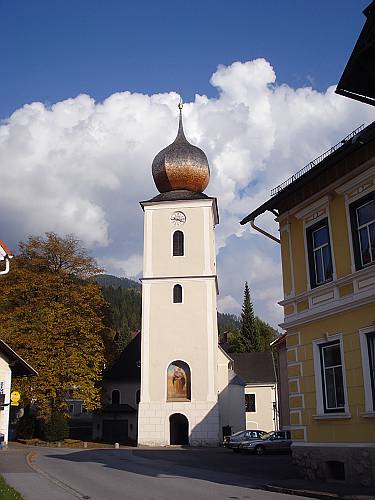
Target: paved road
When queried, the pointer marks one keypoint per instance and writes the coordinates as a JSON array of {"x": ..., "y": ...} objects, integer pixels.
[{"x": 184, "y": 474}]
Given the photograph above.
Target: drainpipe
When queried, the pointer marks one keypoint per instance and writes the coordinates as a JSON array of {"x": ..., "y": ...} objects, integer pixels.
[{"x": 262, "y": 231}]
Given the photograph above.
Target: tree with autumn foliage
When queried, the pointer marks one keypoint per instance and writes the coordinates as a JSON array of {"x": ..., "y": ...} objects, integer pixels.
[{"x": 51, "y": 314}]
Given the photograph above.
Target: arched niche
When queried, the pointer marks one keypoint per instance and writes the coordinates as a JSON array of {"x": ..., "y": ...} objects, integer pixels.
[{"x": 178, "y": 381}]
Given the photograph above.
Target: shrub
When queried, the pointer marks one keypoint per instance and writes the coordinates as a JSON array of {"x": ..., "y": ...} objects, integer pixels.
[
  {"x": 56, "y": 428},
  {"x": 25, "y": 428}
]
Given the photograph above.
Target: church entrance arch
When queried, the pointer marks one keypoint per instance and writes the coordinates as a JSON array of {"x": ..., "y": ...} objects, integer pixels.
[{"x": 179, "y": 429}]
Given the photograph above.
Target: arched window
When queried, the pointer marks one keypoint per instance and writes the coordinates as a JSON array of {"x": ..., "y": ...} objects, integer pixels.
[
  {"x": 138, "y": 396},
  {"x": 178, "y": 382},
  {"x": 177, "y": 294},
  {"x": 178, "y": 243},
  {"x": 115, "y": 398}
]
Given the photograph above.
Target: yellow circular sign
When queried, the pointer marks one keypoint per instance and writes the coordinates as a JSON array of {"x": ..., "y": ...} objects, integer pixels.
[{"x": 15, "y": 396}]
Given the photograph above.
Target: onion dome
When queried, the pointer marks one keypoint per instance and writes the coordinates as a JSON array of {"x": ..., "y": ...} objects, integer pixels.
[{"x": 181, "y": 165}]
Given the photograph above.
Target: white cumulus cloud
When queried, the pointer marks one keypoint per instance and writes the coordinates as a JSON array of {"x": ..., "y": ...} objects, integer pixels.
[{"x": 81, "y": 166}]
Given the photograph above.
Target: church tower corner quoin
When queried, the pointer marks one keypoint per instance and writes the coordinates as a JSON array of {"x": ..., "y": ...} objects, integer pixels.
[{"x": 179, "y": 386}]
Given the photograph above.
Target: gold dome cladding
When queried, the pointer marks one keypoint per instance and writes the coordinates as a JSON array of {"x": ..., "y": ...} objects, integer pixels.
[{"x": 181, "y": 165}]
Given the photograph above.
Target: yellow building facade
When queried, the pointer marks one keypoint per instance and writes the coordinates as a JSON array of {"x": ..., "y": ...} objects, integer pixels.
[{"x": 326, "y": 217}]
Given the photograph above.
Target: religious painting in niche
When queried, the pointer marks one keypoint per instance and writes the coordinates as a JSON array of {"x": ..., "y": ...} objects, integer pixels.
[{"x": 178, "y": 382}]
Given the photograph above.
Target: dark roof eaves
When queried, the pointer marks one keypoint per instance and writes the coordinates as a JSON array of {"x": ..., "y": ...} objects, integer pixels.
[
  {"x": 10, "y": 353},
  {"x": 348, "y": 147}
]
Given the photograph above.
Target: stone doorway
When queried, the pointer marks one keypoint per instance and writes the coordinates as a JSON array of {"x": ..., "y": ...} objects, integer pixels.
[{"x": 179, "y": 429}]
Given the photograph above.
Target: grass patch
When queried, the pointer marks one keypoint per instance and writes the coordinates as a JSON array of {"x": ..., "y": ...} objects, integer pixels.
[{"x": 7, "y": 492}]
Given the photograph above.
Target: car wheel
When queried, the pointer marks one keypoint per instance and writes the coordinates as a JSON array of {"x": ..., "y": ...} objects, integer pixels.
[{"x": 259, "y": 450}]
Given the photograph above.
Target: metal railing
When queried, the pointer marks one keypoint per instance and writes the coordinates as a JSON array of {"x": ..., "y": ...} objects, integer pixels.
[{"x": 315, "y": 162}]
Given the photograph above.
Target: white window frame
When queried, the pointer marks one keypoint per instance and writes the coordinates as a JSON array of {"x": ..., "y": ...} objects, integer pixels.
[
  {"x": 318, "y": 377},
  {"x": 182, "y": 294},
  {"x": 353, "y": 191},
  {"x": 311, "y": 215},
  {"x": 308, "y": 229},
  {"x": 369, "y": 402},
  {"x": 359, "y": 227},
  {"x": 175, "y": 229}
]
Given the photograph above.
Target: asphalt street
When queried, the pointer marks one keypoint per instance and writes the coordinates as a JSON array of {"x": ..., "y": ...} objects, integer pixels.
[{"x": 132, "y": 474}]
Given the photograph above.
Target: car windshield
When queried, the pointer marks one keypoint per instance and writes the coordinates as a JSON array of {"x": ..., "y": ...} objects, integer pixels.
[
  {"x": 267, "y": 435},
  {"x": 238, "y": 433}
]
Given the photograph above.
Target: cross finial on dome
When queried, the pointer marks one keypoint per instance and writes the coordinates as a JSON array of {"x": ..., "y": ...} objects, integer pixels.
[
  {"x": 180, "y": 133},
  {"x": 181, "y": 165}
]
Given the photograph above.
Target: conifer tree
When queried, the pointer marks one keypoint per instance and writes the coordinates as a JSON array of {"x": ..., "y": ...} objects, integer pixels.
[{"x": 249, "y": 330}]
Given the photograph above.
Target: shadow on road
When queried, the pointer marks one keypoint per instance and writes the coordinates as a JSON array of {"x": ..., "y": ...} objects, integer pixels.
[{"x": 215, "y": 465}]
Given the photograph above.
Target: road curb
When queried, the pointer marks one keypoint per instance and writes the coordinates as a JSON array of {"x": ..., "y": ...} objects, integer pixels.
[
  {"x": 30, "y": 457},
  {"x": 314, "y": 494}
]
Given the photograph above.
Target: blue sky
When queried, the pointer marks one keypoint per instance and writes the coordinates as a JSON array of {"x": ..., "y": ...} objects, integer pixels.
[
  {"x": 54, "y": 49},
  {"x": 88, "y": 96}
]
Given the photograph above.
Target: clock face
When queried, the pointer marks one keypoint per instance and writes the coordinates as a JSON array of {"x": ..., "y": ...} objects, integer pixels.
[{"x": 178, "y": 218}]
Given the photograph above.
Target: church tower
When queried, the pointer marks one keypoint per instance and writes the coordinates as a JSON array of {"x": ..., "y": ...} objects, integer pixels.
[{"x": 179, "y": 386}]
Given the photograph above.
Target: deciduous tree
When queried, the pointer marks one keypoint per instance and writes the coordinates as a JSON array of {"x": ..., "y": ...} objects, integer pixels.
[{"x": 51, "y": 314}]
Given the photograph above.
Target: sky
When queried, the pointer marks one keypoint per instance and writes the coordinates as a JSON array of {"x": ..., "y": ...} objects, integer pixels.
[{"x": 89, "y": 93}]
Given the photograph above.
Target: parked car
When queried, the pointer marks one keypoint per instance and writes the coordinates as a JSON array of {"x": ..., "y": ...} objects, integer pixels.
[
  {"x": 237, "y": 438},
  {"x": 278, "y": 441}
]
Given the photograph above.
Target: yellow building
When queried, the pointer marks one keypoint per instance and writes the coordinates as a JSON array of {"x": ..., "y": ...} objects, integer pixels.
[{"x": 326, "y": 216}]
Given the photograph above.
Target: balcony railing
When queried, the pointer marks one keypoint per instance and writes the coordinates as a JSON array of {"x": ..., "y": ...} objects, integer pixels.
[{"x": 316, "y": 161}]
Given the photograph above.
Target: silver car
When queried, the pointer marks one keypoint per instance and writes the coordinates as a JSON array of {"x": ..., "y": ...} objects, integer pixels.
[
  {"x": 237, "y": 438},
  {"x": 278, "y": 441}
]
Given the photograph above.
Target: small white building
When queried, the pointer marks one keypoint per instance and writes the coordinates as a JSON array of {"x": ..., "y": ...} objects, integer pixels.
[
  {"x": 11, "y": 365},
  {"x": 261, "y": 403}
]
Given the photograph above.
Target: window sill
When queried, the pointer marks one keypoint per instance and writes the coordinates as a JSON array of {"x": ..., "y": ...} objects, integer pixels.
[
  {"x": 368, "y": 414},
  {"x": 181, "y": 400},
  {"x": 332, "y": 416}
]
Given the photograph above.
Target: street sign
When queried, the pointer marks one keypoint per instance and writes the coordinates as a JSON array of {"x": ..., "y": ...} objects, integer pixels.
[{"x": 14, "y": 398}]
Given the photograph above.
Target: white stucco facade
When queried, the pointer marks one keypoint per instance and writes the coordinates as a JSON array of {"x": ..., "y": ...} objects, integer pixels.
[
  {"x": 129, "y": 421},
  {"x": 185, "y": 331},
  {"x": 264, "y": 417},
  {"x": 5, "y": 388},
  {"x": 231, "y": 395}
]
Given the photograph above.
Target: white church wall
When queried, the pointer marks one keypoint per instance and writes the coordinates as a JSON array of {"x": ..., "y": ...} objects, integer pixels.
[
  {"x": 200, "y": 254},
  {"x": 184, "y": 331}
]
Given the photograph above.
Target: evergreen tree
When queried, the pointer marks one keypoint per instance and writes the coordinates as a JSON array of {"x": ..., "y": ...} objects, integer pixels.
[
  {"x": 249, "y": 330},
  {"x": 266, "y": 334}
]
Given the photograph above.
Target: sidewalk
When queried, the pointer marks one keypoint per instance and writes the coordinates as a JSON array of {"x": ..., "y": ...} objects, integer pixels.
[
  {"x": 320, "y": 489},
  {"x": 15, "y": 469}
]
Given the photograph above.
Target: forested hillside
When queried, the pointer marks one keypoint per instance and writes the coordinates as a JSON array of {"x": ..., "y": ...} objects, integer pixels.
[{"x": 109, "y": 280}]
